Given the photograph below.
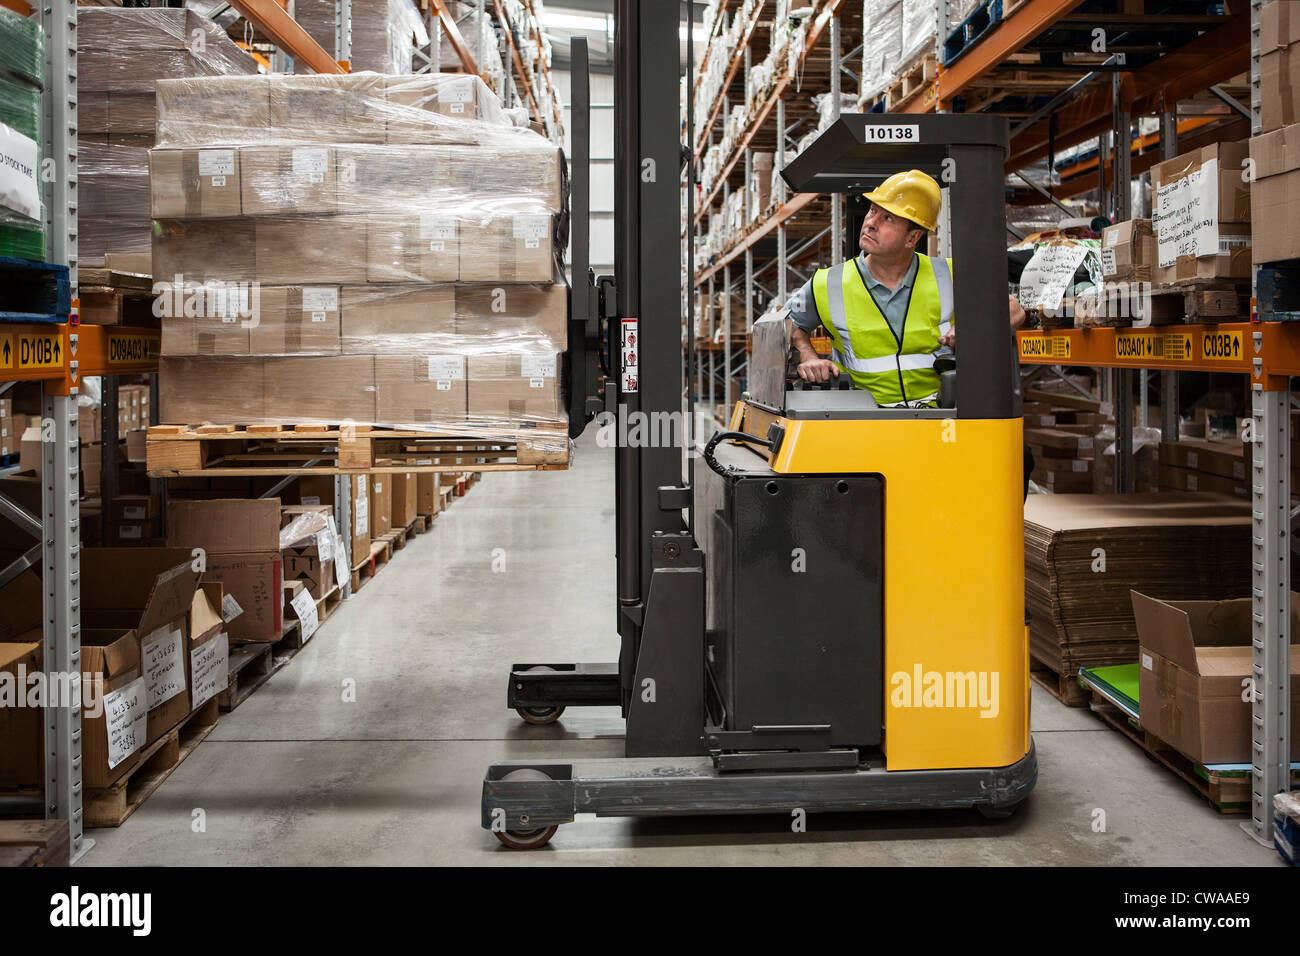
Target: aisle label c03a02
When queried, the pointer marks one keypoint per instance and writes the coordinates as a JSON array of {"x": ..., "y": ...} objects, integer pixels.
[{"x": 1044, "y": 346}]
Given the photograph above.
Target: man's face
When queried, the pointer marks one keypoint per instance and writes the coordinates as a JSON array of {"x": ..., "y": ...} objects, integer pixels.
[{"x": 885, "y": 234}]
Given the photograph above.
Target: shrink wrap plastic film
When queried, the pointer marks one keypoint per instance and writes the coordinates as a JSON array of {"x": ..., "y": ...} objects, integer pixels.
[
  {"x": 121, "y": 53},
  {"x": 22, "y": 68},
  {"x": 366, "y": 249}
]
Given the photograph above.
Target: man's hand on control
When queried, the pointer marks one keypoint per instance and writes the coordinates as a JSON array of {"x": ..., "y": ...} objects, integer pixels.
[
  {"x": 817, "y": 370},
  {"x": 948, "y": 338}
]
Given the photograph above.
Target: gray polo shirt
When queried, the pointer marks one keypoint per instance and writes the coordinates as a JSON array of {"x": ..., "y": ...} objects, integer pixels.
[{"x": 891, "y": 302}]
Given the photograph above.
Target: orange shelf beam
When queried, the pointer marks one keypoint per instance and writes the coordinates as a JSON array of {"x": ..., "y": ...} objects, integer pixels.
[
  {"x": 784, "y": 212},
  {"x": 454, "y": 37}
]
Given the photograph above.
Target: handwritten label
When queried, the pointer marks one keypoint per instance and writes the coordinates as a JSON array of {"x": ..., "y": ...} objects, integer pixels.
[
  {"x": 162, "y": 657},
  {"x": 362, "y": 509},
  {"x": 1186, "y": 217},
  {"x": 125, "y": 714},
  {"x": 210, "y": 669},
  {"x": 1049, "y": 274},
  {"x": 304, "y": 605}
]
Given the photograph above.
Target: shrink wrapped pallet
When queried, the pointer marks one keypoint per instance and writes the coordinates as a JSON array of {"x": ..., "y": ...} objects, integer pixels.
[{"x": 22, "y": 70}]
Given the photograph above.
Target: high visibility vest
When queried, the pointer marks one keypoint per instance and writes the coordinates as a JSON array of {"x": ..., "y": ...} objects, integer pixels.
[{"x": 895, "y": 369}]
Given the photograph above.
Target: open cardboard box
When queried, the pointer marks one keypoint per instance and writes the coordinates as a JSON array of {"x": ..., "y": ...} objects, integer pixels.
[{"x": 1195, "y": 664}]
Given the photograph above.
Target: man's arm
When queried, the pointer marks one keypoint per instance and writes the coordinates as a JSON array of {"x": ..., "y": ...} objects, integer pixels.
[
  {"x": 812, "y": 367},
  {"x": 1016, "y": 310}
]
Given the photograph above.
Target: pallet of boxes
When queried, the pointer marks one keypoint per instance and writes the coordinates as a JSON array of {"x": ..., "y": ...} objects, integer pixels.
[{"x": 366, "y": 262}]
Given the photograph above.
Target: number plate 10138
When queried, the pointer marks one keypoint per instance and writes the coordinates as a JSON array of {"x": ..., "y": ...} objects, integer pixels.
[{"x": 894, "y": 133}]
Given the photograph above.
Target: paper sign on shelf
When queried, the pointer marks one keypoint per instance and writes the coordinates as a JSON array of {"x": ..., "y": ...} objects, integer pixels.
[
  {"x": 210, "y": 665},
  {"x": 162, "y": 658},
  {"x": 19, "y": 190},
  {"x": 324, "y": 545},
  {"x": 1049, "y": 274},
  {"x": 304, "y": 605},
  {"x": 125, "y": 712}
]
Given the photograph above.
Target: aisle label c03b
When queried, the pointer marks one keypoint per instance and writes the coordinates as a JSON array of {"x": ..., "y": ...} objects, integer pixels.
[{"x": 1222, "y": 346}]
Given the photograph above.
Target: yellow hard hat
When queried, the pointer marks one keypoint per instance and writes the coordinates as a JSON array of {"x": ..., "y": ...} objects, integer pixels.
[{"x": 912, "y": 195}]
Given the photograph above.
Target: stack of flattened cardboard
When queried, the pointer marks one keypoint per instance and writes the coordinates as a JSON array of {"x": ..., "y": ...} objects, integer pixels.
[{"x": 1084, "y": 553}]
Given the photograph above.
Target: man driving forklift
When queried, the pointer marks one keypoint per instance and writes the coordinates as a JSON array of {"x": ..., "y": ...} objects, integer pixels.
[{"x": 889, "y": 311}]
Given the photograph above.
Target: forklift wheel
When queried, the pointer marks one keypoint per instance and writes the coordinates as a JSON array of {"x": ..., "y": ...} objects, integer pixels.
[
  {"x": 991, "y": 812},
  {"x": 540, "y": 715},
  {"x": 527, "y": 839}
]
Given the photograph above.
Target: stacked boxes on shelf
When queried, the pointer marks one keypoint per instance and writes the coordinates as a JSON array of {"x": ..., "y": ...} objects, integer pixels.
[
  {"x": 1275, "y": 193},
  {"x": 22, "y": 72},
  {"x": 1201, "y": 215},
  {"x": 121, "y": 52},
  {"x": 358, "y": 248}
]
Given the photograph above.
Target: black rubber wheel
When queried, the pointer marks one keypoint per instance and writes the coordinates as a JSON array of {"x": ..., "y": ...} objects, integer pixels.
[
  {"x": 527, "y": 839},
  {"x": 540, "y": 715},
  {"x": 990, "y": 812}
]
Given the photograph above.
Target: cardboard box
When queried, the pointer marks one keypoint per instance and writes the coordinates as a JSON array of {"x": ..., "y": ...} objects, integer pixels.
[
  {"x": 505, "y": 389},
  {"x": 186, "y": 254},
  {"x": 536, "y": 314},
  {"x": 1275, "y": 194},
  {"x": 190, "y": 111},
  {"x": 287, "y": 180},
  {"x": 208, "y": 335},
  {"x": 398, "y": 318},
  {"x": 1173, "y": 478},
  {"x": 424, "y": 247},
  {"x": 406, "y": 499},
  {"x": 1279, "y": 32},
  {"x": 155, "y": 588},
  {"x": 1197, "y": 195},
  {"x": 530, "y": 171},
  {"x": 326, "y": 390},
  {"x": 296, "y": 320},
  {"x": 319, "y": 490},
  {"x": 427, "y": 390},
  {"x": 1224, "y": 458},
  {"x": 1195, "y": 657},
  {"x": 435, "y": 179},
  {"x": 253, "y": 580},
  {"x": 381, "y": 504},
  {"x": 307, "y": 548},
  {"x": 22, "y": 728},
  {"x": 208, "y": 660},
  {"x": 1128, "y": 251},
  {"x": 140, "y": 533},
  {"x": 194, "y": 183},
  {"x": 341, "y": 107},
  {"x": 427, "y": 497},
  {"x": 1233, "y": 260},
  {"x": 225, "y": 525},
  {"x": 112, "y": 732},
  {"x": 31, "y": 456},
  {"x": 508, "y": 249},
  {"x": 408, "y": 97},
  {"x": 328, "y": 250},
  {"x": 220, "y": 391}
]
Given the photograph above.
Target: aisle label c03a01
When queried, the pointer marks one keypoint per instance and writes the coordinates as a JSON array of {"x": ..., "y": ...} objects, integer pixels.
[
  {"x": 1044, "y": 346},
  {"x": 1166, "y": 347}
]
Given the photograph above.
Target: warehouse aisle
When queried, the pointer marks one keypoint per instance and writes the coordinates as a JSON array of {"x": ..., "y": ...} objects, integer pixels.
[{"x": 523, "y": 568}]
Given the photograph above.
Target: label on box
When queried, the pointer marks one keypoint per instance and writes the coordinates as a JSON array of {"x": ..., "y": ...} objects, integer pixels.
[
  {"x": 1228, "y": 243},
  {"x": 1192, "y": 483},
  {"x": 230, "y": 608},
  {"x": 457, "y": 91},
  {"x": 458, "y": 107},
  {"x": 446, "y": 368},
  {"x": 434, "y": 226},
  {"x": 537, "y": 383},
  {"x": 311, "y": 499},
  {"x": 19, "y": 190},
  {"x": 537, "y": 366},
  {"x": 443, "y": 385},
  {"x": 1147, "y": 662},
  {"x": 135, "y": 512},
  {"x": 1112, "y": 238},
  {"x": 311, "y": 164},
  {"x": 362, "y": 509},
  {"x": 532, "y": 228},
  {"x": 218, "y": 180},
  {"x": 325, "y": 545},
  {"x": 130, "y": 532},
  {"x": 304, "y": 605},
  {"x": 1192, "y": 459},
  {"x": 1186, "y": 217},
  {"x": 341, "y": 574},
  {"x": 210, "y": 666},
  {"x": 1108, "y": 267},
  {"x": 217, "y": 162},
  {"x": 320, "y": 298},
  {"x": 162, "y": 658},
  {"x": 125, "y": 713}
]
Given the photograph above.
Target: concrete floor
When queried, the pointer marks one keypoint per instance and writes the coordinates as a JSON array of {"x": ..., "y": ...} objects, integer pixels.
[{"x": 297, "y": 775}]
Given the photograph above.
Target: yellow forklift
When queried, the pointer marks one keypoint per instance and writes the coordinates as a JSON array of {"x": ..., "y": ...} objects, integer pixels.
[{"x": 826, "y": 612}]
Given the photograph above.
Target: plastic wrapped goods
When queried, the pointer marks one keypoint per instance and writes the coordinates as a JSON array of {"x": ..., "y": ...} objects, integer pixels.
[
  {"x": 358, "y": 248},
  {"x": 22, "y": 66},
  {"x": 121, "y": 54}
]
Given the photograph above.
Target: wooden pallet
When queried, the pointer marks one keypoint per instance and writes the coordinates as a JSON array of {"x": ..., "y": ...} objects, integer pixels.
[
  {"x": 35, "y": 843},
  {"x": 911, "y": 81},
  {"x": 110, "y": 806},
  {"x": 1064, "y": 687},
  {"x": 251, "y": 666},
  {"x": 1226, "y": 791},
  {"x": 291, "y": 641},
  {"x": 210, "y": 451}
]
